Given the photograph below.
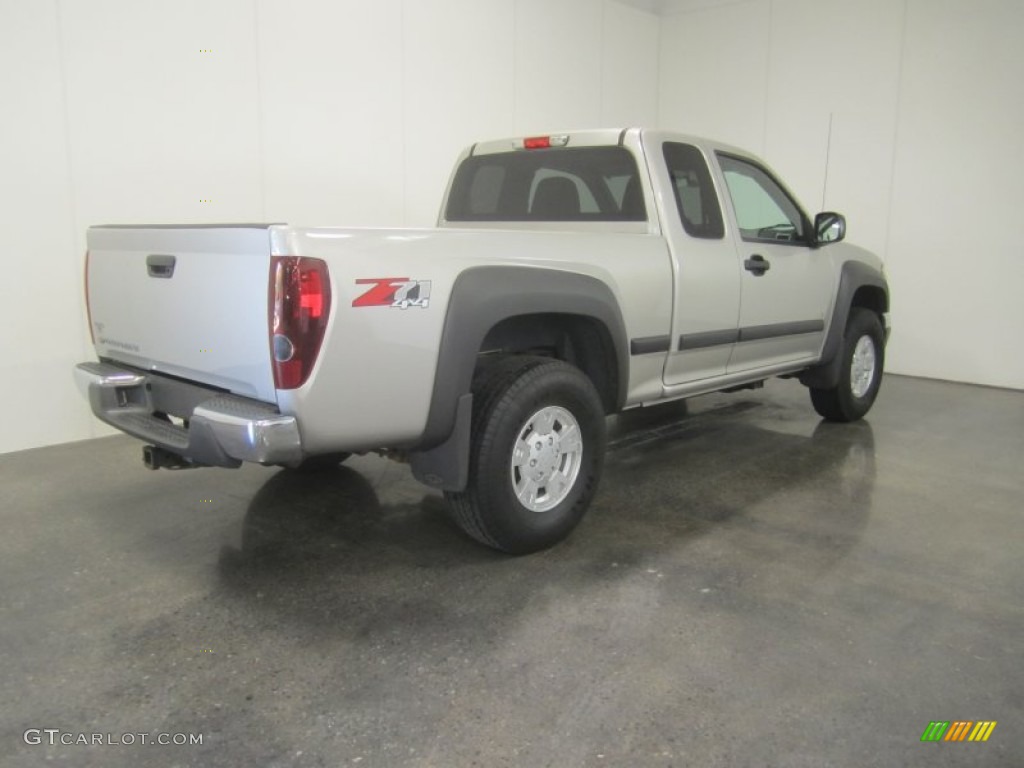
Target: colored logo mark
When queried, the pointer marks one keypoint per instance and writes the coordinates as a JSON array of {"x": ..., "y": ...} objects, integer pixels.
[
  {"x": 959, "y": 730},
  {"x": 394, "y": 292}
]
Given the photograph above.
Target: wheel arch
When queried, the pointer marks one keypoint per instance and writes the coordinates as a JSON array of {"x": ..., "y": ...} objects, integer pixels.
[
  {"x": 505, "y": 308},
  {"x": 581, "y": 340},
  {"x": 860, "y": 285},
  {"x": 495, "y": 304}
]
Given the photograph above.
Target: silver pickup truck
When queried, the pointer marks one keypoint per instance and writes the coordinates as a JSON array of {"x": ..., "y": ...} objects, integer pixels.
[{"x": 571, "y": 276}]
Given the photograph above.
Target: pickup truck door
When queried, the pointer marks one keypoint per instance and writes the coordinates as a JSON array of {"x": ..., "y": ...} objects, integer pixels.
[
  {"x": 705, "y": 270},
  {"x": 786, "y": 285}
]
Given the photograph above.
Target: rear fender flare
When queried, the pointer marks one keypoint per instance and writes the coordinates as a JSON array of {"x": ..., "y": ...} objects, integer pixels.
[{"x": 481, "y": 298}]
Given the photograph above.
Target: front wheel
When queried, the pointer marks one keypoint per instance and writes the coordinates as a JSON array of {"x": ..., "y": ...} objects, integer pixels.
[
  {"x": 860, "y": 375},
  {"x": 536, "y": 454}
]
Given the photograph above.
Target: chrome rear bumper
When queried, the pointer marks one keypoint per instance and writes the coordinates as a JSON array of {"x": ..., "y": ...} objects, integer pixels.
[{"x": 220, "y": 429}]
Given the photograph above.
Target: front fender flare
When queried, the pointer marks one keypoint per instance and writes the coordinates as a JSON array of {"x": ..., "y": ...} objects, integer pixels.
[{"x": 853, "y": 276}]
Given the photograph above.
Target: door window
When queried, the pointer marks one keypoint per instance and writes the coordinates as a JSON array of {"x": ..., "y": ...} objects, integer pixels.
[{"x": 764, "y": 211}]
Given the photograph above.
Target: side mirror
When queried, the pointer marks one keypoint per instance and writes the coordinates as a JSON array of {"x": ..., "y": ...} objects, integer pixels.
[{"x": 829, "y": 227}]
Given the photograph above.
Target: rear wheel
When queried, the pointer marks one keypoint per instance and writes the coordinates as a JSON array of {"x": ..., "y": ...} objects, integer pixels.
[
  {"x": 860, "y": 374},
  {"x": 537, "y": 451}
]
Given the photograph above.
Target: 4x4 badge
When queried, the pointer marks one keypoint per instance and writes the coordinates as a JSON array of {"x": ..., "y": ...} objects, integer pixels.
[{"x": 394, "y": 292}]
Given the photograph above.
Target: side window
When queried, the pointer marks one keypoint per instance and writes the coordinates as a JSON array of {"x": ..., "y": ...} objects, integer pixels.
[
  {"x": 764, "y": 212},
  {"x": 695, "y": 194}
]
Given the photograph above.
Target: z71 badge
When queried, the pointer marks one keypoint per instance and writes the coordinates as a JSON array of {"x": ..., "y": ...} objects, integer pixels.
[{"x": 394, "y": 292}]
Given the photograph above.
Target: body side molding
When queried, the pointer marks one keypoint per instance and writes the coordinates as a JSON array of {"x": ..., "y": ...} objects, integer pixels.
[
  {"x": 775, "y": 330},
  {"x": 705, "y": 339},
  {"x": 648, "y": 345}
]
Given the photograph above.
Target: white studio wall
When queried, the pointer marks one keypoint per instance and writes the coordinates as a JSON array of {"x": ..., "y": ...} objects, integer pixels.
[
  {"x": 954, "y": 247},
  {"x": 338, "y": 143},
  {"x": 341, "y": 112},
  {"x": 903, "y": 115},
  {"x": 41, "y": 292}
]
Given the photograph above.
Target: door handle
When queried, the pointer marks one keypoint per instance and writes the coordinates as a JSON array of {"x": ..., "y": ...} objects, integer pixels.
[{"x": 757, "y": 265}]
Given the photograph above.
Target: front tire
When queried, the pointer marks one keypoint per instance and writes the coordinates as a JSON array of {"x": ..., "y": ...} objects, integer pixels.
[
  {"x": 860, "y": 374},
  {"x": 536, "y": 454}
]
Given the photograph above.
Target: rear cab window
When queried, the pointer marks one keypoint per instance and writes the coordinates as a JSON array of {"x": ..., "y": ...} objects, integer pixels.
[{"x": 579, "y": 184}]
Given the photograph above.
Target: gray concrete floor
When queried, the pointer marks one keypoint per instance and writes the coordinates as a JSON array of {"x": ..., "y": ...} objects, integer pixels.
[{"x": 751, "y": 587}]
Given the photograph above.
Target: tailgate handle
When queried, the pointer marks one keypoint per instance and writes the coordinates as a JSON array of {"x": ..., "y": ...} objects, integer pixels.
[{"x": 160, "y": 265}]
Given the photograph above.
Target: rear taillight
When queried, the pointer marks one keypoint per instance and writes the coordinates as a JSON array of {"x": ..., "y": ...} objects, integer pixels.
[
  {"x": 545, "y": 142},
  {"x": 88, "y": 309},
  {"x": 300, "y": 304}
]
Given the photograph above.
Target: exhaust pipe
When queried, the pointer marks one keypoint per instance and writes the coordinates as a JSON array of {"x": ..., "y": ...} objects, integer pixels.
[{"x": 155, "y": 457}]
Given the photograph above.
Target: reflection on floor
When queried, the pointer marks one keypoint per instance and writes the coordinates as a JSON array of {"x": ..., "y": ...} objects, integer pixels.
[{"x": 751, "y": 587}]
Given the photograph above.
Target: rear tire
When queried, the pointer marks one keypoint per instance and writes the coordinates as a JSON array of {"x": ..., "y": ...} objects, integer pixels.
[
  {"x": 860, "y": 374},
  {"x": 536, "y": 454}
]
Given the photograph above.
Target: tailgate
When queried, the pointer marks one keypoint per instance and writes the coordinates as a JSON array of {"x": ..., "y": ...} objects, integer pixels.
[{"x": 189, "y": 301}]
